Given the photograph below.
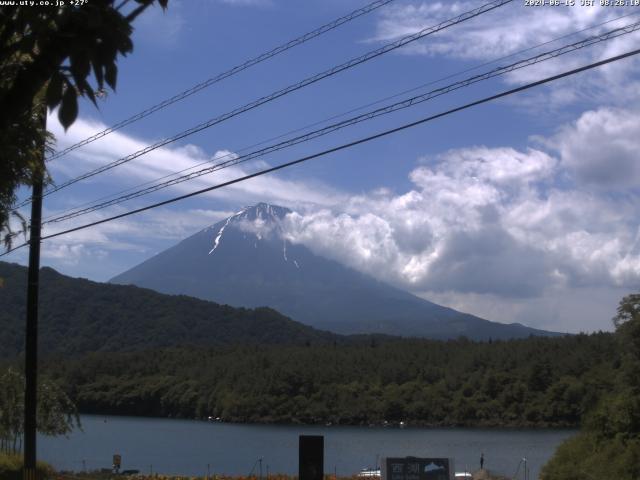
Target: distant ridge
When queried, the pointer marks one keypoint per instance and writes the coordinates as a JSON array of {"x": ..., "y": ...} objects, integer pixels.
[
  {"x": 79, "y": 316},
  {"x": 244, "y": 260}
]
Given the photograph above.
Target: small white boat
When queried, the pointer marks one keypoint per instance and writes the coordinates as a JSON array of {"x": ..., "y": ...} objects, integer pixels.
[
  {"x": 369, "y": 472},
  {"x": 463, "y": 476}
]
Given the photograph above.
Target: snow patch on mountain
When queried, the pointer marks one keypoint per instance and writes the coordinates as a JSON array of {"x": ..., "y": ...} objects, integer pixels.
[
  {"x": 264, "y": 221},
  {"x": 216, "y": 242}
]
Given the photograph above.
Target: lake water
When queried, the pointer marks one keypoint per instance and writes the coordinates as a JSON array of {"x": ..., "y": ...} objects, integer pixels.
[{"x": 186, "y": 447}]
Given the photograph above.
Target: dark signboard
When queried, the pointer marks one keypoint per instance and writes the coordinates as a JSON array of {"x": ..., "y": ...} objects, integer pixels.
[
  {"x": 311, "y": 457},
  {"x": 414, "y": 468}
]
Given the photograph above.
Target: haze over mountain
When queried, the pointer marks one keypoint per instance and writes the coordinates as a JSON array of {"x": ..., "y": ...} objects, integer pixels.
[{"x": 246, "y": 261}]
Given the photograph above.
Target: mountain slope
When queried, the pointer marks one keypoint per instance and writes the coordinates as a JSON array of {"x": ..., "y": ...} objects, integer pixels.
[
  {"x": 78, "y": 316},
  {"x": 244, "y": 261}
]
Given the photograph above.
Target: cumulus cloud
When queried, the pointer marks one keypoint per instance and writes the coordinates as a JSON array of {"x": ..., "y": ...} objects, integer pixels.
[
  {"x": 493, "y": 221},
  {"x": 601, "y": 148}
]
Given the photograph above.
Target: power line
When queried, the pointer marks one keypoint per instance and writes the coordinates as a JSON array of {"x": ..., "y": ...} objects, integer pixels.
[
  {"x": 229, "y": 73},
  {"x": 406, "y": 103},
  {"x": 291, "y": 88},
  {"x": 356, "y": 142},
  {"x": 120, "y": 193},
  {"x": 346, "y": 145}
]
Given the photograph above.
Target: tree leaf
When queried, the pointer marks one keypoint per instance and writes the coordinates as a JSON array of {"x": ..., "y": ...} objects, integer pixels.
[
  {"x": 54, "y": 90},
  {"x": 111, "y": 74},
  {"x": 80, "y": 68},
  {"x": 97, "y": 71},
  {"x": 89, "y": 92},
  {"x": 69, "y": 108}
]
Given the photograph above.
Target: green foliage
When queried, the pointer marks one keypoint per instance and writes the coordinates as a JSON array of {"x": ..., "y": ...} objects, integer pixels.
[
  {"x": 627, "y": 323},
  {"x": 628, "y": 310},
  {"x": 586, "y": 457},
  {"x": 420, "y": 382},
  {"x": 11, "y": 467},
  {"x": 21, "y": 150},
  {"x": 47, "y": 55},
  {"x": 11, "y": 410},
  {"x": 56, "y": 414},
  {"x": 56, "y": 49},
  {"x": 608, "y": 447}
]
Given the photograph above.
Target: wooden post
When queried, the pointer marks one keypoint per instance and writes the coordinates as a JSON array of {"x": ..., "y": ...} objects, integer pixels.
[{"x": 31, "y": 334}]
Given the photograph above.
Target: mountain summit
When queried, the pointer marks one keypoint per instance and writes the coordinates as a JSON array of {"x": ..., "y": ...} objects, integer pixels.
[
  {"x": 261, "y": 219},
  {"x": 246, "y": 261}
]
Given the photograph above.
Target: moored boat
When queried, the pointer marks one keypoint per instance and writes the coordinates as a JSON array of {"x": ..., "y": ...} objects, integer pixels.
[{"x": 369, "y": 472}]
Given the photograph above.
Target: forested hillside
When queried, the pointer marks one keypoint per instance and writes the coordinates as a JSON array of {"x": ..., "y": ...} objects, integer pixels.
[
  {"x": 536, "y": 382},
  {"x": 79, "y": 316}
]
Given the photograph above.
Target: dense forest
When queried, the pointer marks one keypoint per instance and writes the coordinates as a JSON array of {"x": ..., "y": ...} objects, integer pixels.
[
  {"x": 79, "y": 316},
  {"x": 533, "y": 382}
]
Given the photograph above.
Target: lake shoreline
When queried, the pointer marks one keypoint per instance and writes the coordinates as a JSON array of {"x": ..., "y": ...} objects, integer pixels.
[
  {"x": 405, "y": 423},
  {"x": 180, "y": 447},
  {"x": 104, "y": 475}
]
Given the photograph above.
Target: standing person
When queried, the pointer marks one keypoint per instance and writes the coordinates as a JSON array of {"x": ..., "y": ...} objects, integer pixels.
[{"x": 481, "y": 461}]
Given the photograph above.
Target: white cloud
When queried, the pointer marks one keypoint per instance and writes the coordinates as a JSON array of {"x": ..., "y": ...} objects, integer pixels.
[
  {"x": 493, "y": 34},
  {"x": 602, "y": 148},
  {"x": 492, "y": 223},
  {"x": 167, "y": 160},
  {"x": 513, "y": 28}
]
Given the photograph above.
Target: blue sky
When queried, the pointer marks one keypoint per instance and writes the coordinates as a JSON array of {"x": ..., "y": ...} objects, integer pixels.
[{"x": 524, "y": 210}]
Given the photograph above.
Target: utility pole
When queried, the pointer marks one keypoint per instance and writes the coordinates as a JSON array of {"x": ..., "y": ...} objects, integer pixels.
[{"x": 31, "y": 334}]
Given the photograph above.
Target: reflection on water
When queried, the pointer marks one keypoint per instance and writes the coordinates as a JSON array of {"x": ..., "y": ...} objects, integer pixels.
[{"x": 191, "y": 447}]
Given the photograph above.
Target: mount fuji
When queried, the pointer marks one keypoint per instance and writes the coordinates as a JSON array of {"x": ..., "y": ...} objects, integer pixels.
[{"x": 245, "y": 261}]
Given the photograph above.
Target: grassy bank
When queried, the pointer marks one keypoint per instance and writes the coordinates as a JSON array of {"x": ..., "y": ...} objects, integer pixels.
[{"x": 11, "y": 467}]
